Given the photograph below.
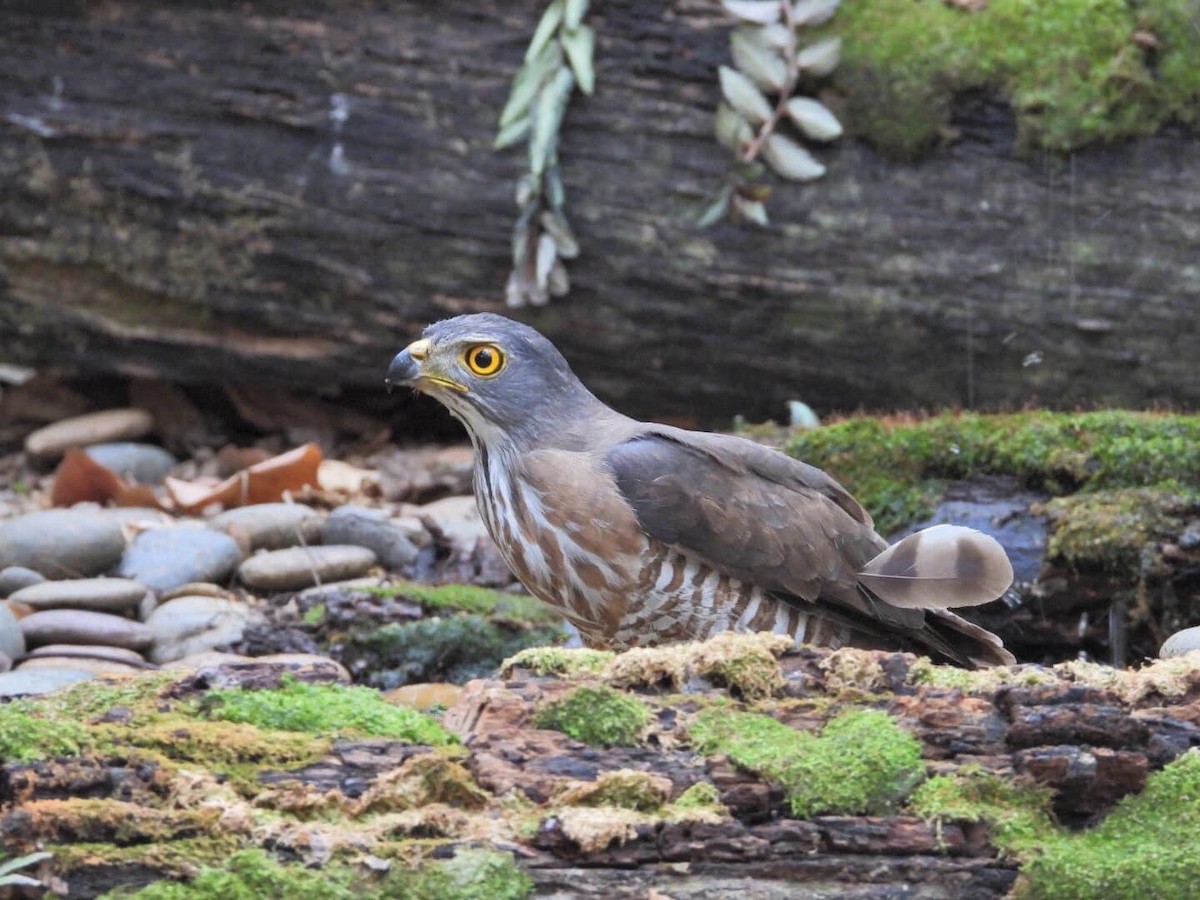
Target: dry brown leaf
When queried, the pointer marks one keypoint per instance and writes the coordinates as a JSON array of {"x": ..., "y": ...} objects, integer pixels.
[
  {"x": 80, "y": 479},
  {"x": 264, "y": 482}
]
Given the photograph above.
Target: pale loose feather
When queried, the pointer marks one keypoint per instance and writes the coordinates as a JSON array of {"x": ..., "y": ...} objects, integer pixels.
[{"x": 942, "y": 567}]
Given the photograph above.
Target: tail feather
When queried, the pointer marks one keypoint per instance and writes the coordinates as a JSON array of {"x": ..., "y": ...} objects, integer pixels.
[
  {"x": 939, "y": 568},
  {"x": 982, "y": 647}
]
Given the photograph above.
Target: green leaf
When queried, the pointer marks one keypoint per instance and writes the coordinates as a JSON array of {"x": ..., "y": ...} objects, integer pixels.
[
  {"x": 716, "y": 210},
  {"x": 546, "y": 27},
  {"x": 761, "y": 12},
  {"x": 732, "y": 130},
  {"x": 11, "y": 865},
  {"x": 813, "y": 12},
  {"x": 558, "y": 283},
  {"x": 791, "y": 160},
  {"x": 548, "y": 111},
  {"x": 512, "y": 133},
  {"x": 555, "y": 224},
  {"x": 573, "y": 13},
  {"x": 527, "y": 83},
  {"x": 547, "y": 255},
  {"x": 556, "y": 194},
  {"x": 762, "y": 63},
  {"x": 580, "y": 45},
  {"x": 751, "y": 211},
  {"x": 820, "y": 58},
  {"x": 813, "y": 119},
  {"x": 743, "y": 96}
]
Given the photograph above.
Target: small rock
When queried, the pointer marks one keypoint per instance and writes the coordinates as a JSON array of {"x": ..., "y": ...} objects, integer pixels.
[
  {"x": 80, "y": 664},
  {"x": 196, "y": 589},
  {"x": 146, "y": 606},
  {"x": 5, "y": 662},
  {"x": 306, "y": 659},
  {"x": 104, "y": 594},
  {"x": 54, "y": 440},
  {"x": 141, "y": 463},
  {"x": 62, "y": 543},
  {"x": 301, "y": 567},
  {"x": 81, "y": 626},
  {"x": 372, "y": 529},
  {"x": 424, "y": 696},
  {"x": 39, "y": 681},
  {"x": 12, "y": 639},
  {"x": 13, "y": 578},
  {"x": 189, "y": 625},
  {"x": 140, "y": 517},
  {"x": 164, "y": 558},
  {"x": 414, "y": 529},
  {"x": 271, "y": 526},
  {"x": 458, "y": 517},
  {"x": 1180, "y": 642},
  {"x": 89, "y": 651},
  {"x": 207, "y": 658}
]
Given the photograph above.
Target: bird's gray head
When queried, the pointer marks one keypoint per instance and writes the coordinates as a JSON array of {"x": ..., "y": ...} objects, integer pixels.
[{"x": 502, "y": 379}]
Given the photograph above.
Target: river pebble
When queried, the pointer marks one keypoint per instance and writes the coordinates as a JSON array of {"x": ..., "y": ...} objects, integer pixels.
[
  {"x": 301, "y": 567},
  {"x": 54, "y": 440},
  {"x": 12, "y": 639},
  {"x": 62, "y": 543},
  {"x": 1180, "y": 642},
  {"x": 92, "y": 651},
  {"x": 370, "y": 528},
  {"x": 164, "y": 558},
  {"x": 458, "y": 517},
  {"x": 141, "y": 463},
  {"x": 80, "y": 664},
  {"x": 271, "y": 526},
  {"x": 39, "y": 681},
  {"x": 189, "y": 625},
  {"x": 80, "y": 626},
  {"x": 103, "y": 594},
  {"x": 13, "y": 578}
]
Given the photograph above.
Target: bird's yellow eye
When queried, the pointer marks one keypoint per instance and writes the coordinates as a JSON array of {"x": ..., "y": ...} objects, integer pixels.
[{"x": 485, "y": 360}]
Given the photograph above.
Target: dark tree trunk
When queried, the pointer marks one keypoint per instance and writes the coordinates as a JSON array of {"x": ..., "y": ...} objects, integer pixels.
[{"x": 176, "y": 199}]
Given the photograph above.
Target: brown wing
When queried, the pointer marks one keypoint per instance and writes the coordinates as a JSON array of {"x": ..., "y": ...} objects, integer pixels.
[{"x": 755, "y": 514}]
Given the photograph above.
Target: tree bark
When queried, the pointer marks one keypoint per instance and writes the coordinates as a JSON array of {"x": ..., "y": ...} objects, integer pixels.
[{"x": 179, "y": 198}]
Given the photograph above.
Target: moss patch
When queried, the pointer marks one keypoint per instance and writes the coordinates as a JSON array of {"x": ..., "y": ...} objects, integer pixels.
[
  {"x": 558, "y": 661},
  {"x": 1018, "y": 813},
  {"x": 598, "y": 716},
  {"x": 1072, "y": 69},
  {"x": 862, "y": 762},
  {"x": 329, "y": 709},
  {"x": 1111, "y": 530},
  {"x": 471, "y": 599},
  {"x": 622, "y": 788},
  {"x": 896, "y": 467},
  {"x": 747, "y": 664},
  {"x": 26, "y": 736}
]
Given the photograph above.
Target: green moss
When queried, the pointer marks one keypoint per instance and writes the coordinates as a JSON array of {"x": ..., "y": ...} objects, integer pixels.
[
  {"x": 1070, "y": 68},
  {"x": 90, "y": 700},
  {"x": 623, "y": 789},
  {"x": 1017, "y": 813},
  {"x": 26, "y": 736},
  {"x": 1147, "y": 847},
  {"x": 703, "y": 795},
  {"x": 543, "y": 661},
  {"x": 315, "y": 615},
  {"x": 175, "y": 858},
  {"x": 328, "y": 709},
  {"x": 598, "y": 716},
  {"x": 862, "y": 762},
  {"x": 896, "y": 468},
  {"x": 1109, "y": 530},
  {"x": 253, "y": 874},
  {"x": 472, "y": 599},
  {"x": 453, "y": 648}
]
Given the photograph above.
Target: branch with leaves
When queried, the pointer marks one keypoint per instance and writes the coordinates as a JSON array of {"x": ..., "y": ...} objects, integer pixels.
[
  {"x": 769, "y": 62},
  {"x": 559, "y": 58}
]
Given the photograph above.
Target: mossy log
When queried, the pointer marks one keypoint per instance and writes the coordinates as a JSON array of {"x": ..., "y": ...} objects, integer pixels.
[
  {"x": 284, "y": 192},
  {"x": 739, "y": 762}
]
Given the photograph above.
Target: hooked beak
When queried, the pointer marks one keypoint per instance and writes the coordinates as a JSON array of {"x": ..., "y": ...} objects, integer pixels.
[{"x": 407, "y": 369}]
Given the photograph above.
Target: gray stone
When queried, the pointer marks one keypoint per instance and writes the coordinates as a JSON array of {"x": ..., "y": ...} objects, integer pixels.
[
  {"x": 370, "y": 528},
  {"x": 207, "y": 658},
  {"x": 86, "y": 651},
  {"x": 1181, "y": 642},
  {"x": 54, "y": 440},
  {"x": 62, "y": 543},
  {"x": 141, "y": 463},
  {"x": 12, "y": 639},
  {"x": 301, "y": 567},
  {"x": 271, "y": 526},
  {"x": 104, "y": 594},
  {"x": 39, "y": 681},
  {"x": 190, "y": 625},
  {"x": 79, "y": 663},
  {"x": 5, "y": 662},
  {"x": 14, "y": 578},
  {"x": 164, "y": 558},
  {"x": 81, "y": 626},
  {"x": 296, "y": 660},
  {"x": 458, "y": 517},
  {"x": 139, "y": 516}
]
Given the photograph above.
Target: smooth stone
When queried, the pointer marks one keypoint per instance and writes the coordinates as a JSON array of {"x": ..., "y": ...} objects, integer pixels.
[
  {"x": 271, "y": 526},
  {"x": 414, "y": 529},
  {"x": 458, "y": 517},
  {"x": 349, "y": 586},
  {"x": 104, "y": 594},
  {"x": 82, "y": 431},
  {"x": 305, "y": 659},
  {"x": 95, "y": 651},
  {"x": 12, "y": 638},
  {"x": 301, "y": 567},
  {"x": 142, "y": 463},
  {"x": 82, "y": 626},
  {"x": 13, "y": 578},
  {"x": 207, "y": 658},
  {"x": 164, "y": 558},
  {"x": 424, "y": 696},
  {"x": 146, "y": 606},
  {"x": 62, "y": 543},
  {"x": 370, "y": 528},
  {"x": 79, "y": 663},
  {"x": 5, "y": 662},
  {"x": 189, "y": 625},
  {"x": 1180, "y": 642},
  {"x": 139, "y": 516},
  {"x": 40, "y": 681}
]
